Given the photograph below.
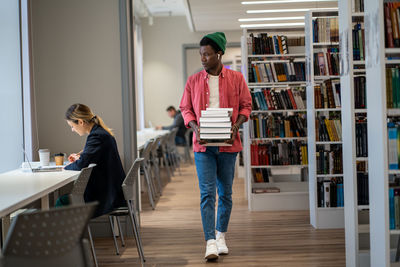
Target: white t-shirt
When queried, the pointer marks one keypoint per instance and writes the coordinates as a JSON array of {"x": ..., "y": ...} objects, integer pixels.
[{"x": 213, "y": 84}]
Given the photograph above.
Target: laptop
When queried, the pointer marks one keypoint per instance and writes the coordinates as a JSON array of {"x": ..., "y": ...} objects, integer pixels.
[{"x": 42, "y": 168}]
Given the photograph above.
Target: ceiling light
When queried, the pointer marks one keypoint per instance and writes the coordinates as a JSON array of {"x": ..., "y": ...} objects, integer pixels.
[
  {"x": 268, "y": 19},
  {"x": 283, "y": 1},
  {"x": 271, "y": 25},
  {"x": 289, "y": 10}
]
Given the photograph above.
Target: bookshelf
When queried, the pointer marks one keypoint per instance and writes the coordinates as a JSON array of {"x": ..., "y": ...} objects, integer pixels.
[
  {"x": 289, "y": 177},
  {"x": 379, "y": 55},
  {"x": 354, "y": 127},
  {"x": 323, "y": 110}
]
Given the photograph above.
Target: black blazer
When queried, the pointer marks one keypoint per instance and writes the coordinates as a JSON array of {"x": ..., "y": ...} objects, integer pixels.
[{"x": 106, "y": 179}]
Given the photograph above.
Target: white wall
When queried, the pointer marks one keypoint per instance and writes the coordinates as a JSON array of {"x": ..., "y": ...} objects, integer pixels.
[
  {"x": 163, "y": 66},
  {"x": 76, "y": 53}
]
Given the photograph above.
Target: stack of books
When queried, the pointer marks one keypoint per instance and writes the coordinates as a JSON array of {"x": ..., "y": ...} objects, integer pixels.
[{"x": 215, "y": 126}]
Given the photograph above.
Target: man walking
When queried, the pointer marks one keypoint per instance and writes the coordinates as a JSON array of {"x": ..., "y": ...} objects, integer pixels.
[{"x": 215, "y": 87}]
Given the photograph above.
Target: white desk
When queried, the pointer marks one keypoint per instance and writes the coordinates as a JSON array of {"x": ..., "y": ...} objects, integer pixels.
[
  {"x": 18, "y": 189},
  {"x": 146, "y": 134}
]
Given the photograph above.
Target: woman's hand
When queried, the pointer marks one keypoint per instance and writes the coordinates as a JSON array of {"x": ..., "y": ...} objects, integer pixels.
[{"x": 73, "y": 157}]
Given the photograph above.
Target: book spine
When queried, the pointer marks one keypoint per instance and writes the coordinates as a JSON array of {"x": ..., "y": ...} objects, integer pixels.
[{"x": 392, "y": 147}]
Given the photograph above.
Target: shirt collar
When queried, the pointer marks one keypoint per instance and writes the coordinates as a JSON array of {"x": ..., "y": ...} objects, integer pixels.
[{"x": 222, "y": 73}]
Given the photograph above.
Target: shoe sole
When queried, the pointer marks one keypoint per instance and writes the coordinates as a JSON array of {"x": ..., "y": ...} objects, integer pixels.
[
  {"x": 223, "y": 253},
  {"x": 211, "y": 257}
]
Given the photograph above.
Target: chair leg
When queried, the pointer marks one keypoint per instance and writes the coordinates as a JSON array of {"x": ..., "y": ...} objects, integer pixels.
[
  {"x": 187, "y": 154},
  {"x": 150, "y": 172},
  {"x": 157, "y": 177},
  {"x": 150, "y": 193},
  {"x": 171, "y": 162},
  {"x": 113, "y": 233},
  {"x": 175, "y": 159},
  {"x": 120, "y": 231},
  {"x": 166, "y": 166},
  {"x": 154, "y": 178},
  {"x": 92, "y": 246},
  {"x": 135, "y": 227}
]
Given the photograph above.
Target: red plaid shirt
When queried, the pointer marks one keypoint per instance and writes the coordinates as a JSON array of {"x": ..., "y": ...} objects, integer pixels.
[{"x": 233, "y": 93}]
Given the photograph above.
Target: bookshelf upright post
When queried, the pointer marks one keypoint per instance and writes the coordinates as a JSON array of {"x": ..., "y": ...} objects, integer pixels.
[{"x": 377, "y": 130}]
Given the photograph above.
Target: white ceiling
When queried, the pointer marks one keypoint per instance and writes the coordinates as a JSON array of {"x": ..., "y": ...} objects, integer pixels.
[
  {"x": 223, "y": 15},
  {"x": 165, "y": 7}
]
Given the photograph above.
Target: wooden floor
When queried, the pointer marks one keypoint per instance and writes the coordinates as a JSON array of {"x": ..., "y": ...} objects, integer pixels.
[{"x": 172, "y": 234}]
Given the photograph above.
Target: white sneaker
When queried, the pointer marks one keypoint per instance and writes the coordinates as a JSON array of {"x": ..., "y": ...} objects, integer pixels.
[
  {"x": 221, "y": 244},
  {"x": 211, "y": 250}
]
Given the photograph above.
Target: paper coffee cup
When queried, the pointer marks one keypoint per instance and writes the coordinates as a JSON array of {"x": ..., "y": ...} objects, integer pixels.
[
  {"x": 44, "y": 156},
  {"x": 59, "y": 159}
]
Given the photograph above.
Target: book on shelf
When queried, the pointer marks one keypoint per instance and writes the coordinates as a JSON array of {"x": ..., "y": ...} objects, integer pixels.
[
  {"x": 328, "y": 130},
  {"x": 275, "y": 99},
  {"x": 362, "y": 188},
  {"x": 329, "y": 161},
  {"x": 393, "y": 146},
  {"x": 358, "y": 41},
  {"x": 393, "y": 87},
  {"x": 392, "y": 217},
  {"x": 392, "y": 16},
  {"x": 330, "y": 193},
  {"x": 327, "y": 94},
  {"x": 358, "y": 6},
  {"x": 278, "y": 153},
  {"x": 361, "y": 138},
  {"x": 273, "y": 72},
  {"x": 215, "y": 126},
  {"x": 277, "y": 126},
  {"x": 262, "y": 44},
  {"x": 260, "y": 175},
  {"x": 325, "y": 30},
  {"x": 326, "y": 61},
  {"x": 360, "y": 94},
  {"x": 266, "y": 190}
]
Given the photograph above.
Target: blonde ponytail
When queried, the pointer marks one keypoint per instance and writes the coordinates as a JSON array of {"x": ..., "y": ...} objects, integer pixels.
[
  {"x": 83, "y": 112},
  {"x": 99, "y": 121}
]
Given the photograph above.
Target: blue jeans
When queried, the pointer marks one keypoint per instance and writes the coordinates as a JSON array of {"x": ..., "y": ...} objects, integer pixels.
[{"x": 215, "y": 170}]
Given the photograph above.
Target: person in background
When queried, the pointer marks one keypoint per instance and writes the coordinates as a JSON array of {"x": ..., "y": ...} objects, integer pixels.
[
  {"x": 107, "y": 176},
  {"x": 177, "y": 123},
  {"x": 215, "y": 87}
]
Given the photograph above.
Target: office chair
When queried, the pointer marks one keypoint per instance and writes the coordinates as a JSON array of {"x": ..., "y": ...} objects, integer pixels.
[
  {"x": 129, "y": 193},
  {"x": 49, "y": 238},
  {"x": 76, "y": 197}
]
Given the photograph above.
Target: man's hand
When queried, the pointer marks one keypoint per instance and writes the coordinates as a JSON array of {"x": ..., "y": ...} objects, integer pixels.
[
  {"x": 159, "y": 127},
  {"x": 234, "y": 131},
  {"x": 196, "y": 130}
]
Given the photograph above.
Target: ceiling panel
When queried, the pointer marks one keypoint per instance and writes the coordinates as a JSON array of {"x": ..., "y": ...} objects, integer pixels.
[
  {"x": 213, "y": 15},
  {"x": 223, "y": 15}
]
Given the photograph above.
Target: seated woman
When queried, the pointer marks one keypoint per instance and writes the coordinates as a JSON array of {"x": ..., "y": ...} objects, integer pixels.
[{"x": 106, "y": 179}]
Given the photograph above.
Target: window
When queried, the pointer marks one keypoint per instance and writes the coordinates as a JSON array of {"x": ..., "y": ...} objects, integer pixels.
[{"x": 11, "y": 118}]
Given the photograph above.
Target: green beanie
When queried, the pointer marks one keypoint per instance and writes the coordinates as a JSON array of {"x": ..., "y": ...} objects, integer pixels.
[{"x": 219, "y": 39}]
